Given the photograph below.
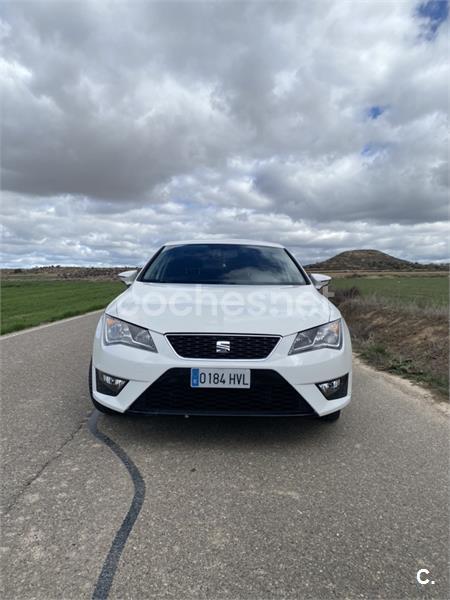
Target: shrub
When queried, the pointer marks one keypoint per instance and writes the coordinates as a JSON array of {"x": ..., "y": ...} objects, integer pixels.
[{"x": 341, "y": 295}]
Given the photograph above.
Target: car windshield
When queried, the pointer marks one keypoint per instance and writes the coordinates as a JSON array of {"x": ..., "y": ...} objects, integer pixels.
[{"x": 228, "y": 264}]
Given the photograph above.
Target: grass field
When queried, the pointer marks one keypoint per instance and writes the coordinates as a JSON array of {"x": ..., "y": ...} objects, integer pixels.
[
  {"x": 400, "y": 325},
  {"x": 30, "y": 303},
  {"x": 423, "y": 291}
]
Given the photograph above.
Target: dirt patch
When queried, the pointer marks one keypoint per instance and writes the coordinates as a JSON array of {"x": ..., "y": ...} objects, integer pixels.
[
  {"x": 382, "y": 274},
  {"x": 64, "y": 273},
  {"x": 409, "y": 341}
]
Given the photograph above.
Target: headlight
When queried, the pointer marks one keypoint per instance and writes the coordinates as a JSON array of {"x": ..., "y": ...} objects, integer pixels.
[
  {"x": 324, "y": 336},
  {"x": 121, "y": 332}
]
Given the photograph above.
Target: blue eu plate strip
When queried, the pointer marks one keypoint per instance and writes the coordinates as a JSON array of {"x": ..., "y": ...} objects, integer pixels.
[{"x": 194, "y": 377}]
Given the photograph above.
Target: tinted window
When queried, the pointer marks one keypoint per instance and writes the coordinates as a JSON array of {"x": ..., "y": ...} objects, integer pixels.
[{"x": 224, "y": 264}]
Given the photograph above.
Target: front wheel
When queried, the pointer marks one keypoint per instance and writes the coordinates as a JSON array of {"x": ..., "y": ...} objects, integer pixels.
[
  {"x": 97, "y": 405},
  {"x": 331, "y": 417}
]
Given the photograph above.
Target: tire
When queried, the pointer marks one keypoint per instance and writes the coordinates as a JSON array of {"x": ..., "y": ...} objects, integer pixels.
[
  {"x": 331, "y": 417},
  {"x": 97, "y": 405}
]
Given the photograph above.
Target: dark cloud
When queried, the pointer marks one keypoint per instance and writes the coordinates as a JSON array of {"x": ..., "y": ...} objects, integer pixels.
[{"x": 322, "y": 125}]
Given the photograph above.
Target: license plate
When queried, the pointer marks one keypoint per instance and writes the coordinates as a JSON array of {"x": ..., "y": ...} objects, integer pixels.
[{"x": 220, "y": 378}]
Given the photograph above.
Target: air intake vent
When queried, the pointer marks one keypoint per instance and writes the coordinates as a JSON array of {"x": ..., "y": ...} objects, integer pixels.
[{"x": 269, "y": 394}]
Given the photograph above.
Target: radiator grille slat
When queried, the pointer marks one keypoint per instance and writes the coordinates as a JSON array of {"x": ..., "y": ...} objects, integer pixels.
[{"x": 243, "y": 347}]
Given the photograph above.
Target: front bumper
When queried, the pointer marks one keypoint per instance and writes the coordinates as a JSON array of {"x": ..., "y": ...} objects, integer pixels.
[{"x": 282, "y": 384}]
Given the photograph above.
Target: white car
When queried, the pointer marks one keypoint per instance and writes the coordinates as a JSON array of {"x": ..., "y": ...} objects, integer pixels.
[{"x": 229, "y": 327}]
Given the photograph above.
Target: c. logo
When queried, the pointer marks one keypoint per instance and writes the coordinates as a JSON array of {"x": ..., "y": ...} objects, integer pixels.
[{"x": 420, "y": 579}]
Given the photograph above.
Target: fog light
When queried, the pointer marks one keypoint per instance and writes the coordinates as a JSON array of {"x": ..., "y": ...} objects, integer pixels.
[
  {"x": 335, "y": 388},
  {"x": 108, "y": 384}
]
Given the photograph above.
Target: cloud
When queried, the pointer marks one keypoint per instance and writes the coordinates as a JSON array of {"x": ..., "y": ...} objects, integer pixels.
[{"x": 322, "y": 126}]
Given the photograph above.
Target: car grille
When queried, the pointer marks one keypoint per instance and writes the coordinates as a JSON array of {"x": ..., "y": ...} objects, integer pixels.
[
  {"x": 269, "y": 394},
  {"x": 205, "y": 346}
]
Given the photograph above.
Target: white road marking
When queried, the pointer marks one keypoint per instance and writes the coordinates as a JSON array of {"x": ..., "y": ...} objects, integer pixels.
[{"x": 21, "y": 332}]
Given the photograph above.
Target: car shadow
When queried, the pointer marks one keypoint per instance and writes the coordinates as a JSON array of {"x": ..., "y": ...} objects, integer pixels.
[{"x": 216, "y": 432}]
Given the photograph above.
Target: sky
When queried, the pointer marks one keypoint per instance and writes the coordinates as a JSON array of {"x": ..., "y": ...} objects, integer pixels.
[{"x": 318, "y": 125}]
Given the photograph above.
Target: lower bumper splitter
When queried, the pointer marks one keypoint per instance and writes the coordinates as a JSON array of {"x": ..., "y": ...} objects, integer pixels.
[{"x": 269, "y": 395}]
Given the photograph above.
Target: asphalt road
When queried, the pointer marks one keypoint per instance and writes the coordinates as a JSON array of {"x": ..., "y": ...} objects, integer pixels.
[{"x": 225, "y": 508}]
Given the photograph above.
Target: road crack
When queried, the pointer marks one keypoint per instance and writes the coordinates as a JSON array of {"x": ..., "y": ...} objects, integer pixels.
[
  {"x": 105, "y": 579},
  {"x": 57, "y": 454}
]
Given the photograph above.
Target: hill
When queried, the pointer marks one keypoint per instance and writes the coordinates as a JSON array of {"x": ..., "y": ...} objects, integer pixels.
[{"x": 371, "y": 260}]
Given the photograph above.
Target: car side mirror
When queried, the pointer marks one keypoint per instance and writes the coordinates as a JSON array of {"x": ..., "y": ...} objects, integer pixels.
[
  {"x": 320, "y": 281},
  {"x": 128, "y": 276}
]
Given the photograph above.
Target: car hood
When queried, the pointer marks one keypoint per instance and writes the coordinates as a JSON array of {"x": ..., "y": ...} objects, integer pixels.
[{"x": 182, "y": 308}]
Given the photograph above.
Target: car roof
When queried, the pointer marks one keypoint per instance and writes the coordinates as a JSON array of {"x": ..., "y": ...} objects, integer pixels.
[{"x": 224, "y": 241}]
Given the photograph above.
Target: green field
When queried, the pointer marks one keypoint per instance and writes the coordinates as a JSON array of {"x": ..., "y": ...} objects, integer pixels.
[
  {"x": 29, "y": 303},
  {"x": 423, "y": 291}
]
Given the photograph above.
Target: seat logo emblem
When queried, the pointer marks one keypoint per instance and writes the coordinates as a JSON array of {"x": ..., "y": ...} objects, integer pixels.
[{"x": 222, "y": 346}]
